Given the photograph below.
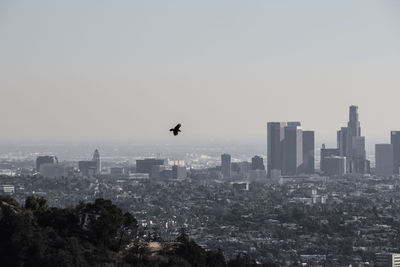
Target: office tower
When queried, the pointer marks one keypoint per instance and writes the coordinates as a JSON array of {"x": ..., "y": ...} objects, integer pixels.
[
  {"x": 353, "y": 124},
  {"x": 292, "y": 149},
  {"x": 335, "y": 165},
  {"x": 384, "y": 159},
  {"x": 395, "y": 141},
  {"x": 96, "y": 158},
  {"x": 387, "y": 260},
  {"x": 342, "y": 137},
  {"x": 285, "y": 155},
  {"x": 257, "y": 163},
  {"x": 352, "y": 145},
  {"x": 356, "y": 152},
  {"x": 308, "y": 152},
  {"x": 275, "y": 137},
  {"x": 146, "y": 165},
  {"x": 325, "y": 153},
  {"x": 45, "y": 159},
  {"x": 178, "y": 172},
  {"x": 358, "y": 146},
  {"x": 226, "y": 165}
]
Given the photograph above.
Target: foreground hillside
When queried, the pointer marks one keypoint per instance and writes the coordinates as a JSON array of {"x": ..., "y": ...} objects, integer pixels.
[{"x": 92, "y": 234}]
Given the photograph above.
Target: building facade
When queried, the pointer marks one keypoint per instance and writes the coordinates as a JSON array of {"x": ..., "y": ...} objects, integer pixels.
[
  {"x": 387, "y": 260},
  {"x": 292, "y": 149},
  {"x": 395, "y": 141},
  {"x": 257, "y": 163},
  {"x": 275, "y": 137},
  {"x": 146, "y": 165},
  {"x": 45, "y": 159},
  {"x": 335, "y": 165},
  {"x": 384, "y": 159},
  {"x": 308, "y": 152}
]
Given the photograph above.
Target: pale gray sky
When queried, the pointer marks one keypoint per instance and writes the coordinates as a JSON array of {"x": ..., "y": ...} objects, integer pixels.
[{"x": 129, "y": 70}]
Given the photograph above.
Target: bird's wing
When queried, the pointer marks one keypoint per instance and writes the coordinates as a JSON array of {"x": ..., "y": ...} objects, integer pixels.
[{"x": 178, "y": 126}]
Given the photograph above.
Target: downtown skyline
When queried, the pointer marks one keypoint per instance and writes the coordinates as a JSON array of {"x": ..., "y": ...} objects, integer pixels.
[{"x": 126, "y": 72}]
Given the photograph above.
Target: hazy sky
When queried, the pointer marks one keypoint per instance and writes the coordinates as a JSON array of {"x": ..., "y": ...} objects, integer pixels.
[{"x": 129, "y": 70}]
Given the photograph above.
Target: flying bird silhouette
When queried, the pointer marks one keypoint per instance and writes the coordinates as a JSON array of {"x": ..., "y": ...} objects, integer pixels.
[{"x": 176, "y": 129}]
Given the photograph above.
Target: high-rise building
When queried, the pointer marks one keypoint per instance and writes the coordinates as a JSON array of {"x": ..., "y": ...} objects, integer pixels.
[
  {"x": 289, "y": 151},
  {"x": 96, "y": 158},
  {"x": 45, "y": 159},
  {"x": 292, "y": 149},
  {"x": 353, "y": 124},
  {"x": 308, "y": 152},
  {"x": 384, "y": 159},
  {"x": 257, "y": 163},
  {"x": 395, "y": 141},
  {"x": 146, "y": 165},
  {"x": 352, "y": 145},
  {"x": 226, "y": 165},
  {"x": 275, "y": 137},
  {"x": 335, "y": 165},
  {"x": 325, "y": 153},
  {"x": 342, "y": 137},
  {"x": 178, "y": 172}
]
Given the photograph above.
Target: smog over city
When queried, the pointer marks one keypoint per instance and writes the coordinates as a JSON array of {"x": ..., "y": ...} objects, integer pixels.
[{"x": 208, "y": 133}]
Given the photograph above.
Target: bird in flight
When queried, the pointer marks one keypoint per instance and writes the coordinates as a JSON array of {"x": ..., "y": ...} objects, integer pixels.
[{"x": 176, "y": 130}]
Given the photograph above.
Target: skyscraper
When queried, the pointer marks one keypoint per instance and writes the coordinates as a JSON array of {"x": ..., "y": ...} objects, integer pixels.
[
  {"x": 96, "y": 158},
  {"x": 395, "y": 141},
  {"x": 354, "y": 124},
  {"x": 257, "y": 163},
  {"x": 292, "y": 149},
  {"x": 275, "y": 137},
  {"x": 335, "y": 165},
  {"x": 384, "y": 159},
  {"x": 286, "y": 151},
  {"x": 226, "y": 165},
  {"x": 342, "y": 137},
  {"x": 308, "y": 152},
  {"x": 352, "y": 145},
  {"x": 326, "y": 153}
]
